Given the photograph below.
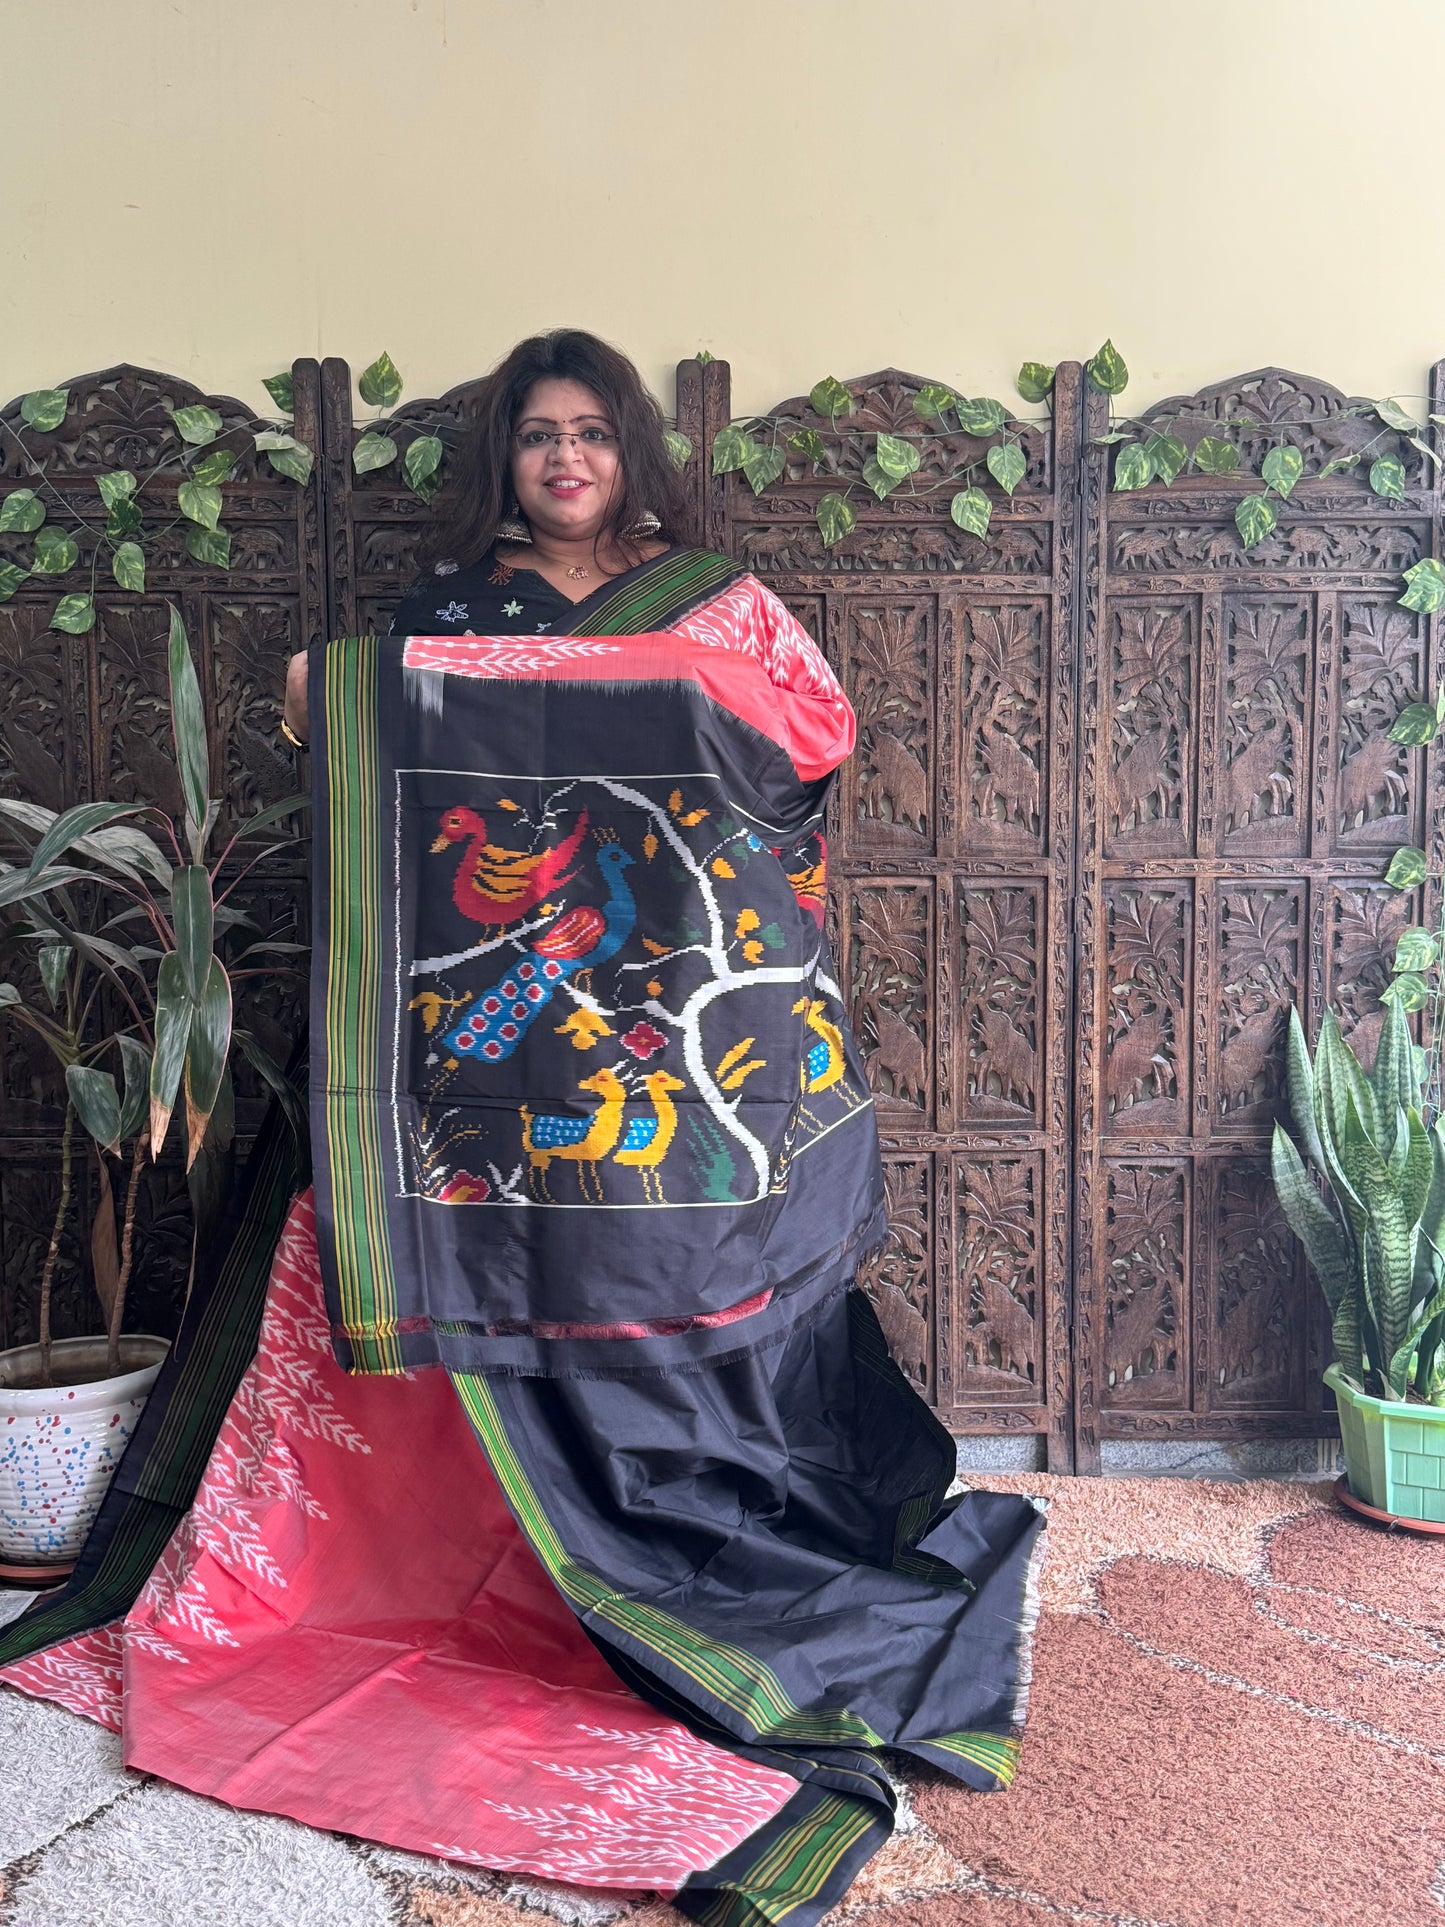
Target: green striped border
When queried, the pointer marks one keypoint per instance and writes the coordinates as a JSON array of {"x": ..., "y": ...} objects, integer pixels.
[
  {"x": 913, "y": 1516},
  {"x": 996, "y": 1753},
  {"x": 792, "y": 1871},
  {"x": 671, "y": 585},
  {"x": 727, "y": 1674},
  {"x": 351, "y": 1121}
]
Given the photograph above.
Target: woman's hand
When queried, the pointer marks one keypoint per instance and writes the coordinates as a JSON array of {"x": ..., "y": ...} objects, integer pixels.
[{"x": 294, "y": 709}]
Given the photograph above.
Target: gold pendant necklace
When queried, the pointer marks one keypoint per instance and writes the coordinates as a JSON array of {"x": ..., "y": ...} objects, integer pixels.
[{"x": 579, "y": 574}]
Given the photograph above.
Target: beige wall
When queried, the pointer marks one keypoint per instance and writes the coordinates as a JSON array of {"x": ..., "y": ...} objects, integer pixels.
[{"x": 802, "y": 186}]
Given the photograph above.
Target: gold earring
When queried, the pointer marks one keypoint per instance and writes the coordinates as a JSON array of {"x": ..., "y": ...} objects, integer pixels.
[{"x": 645, "y": 525}]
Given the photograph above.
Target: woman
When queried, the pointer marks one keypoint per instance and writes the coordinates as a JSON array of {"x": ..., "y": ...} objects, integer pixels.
[{"x": 592, "y": 1134}]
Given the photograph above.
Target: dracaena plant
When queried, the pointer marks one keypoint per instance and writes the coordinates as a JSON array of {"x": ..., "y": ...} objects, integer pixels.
[
  {"x": 1374, "y": 1231},
  {"x": 139, "y": 997}
]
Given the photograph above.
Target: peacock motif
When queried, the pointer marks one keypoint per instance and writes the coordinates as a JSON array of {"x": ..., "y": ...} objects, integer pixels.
[
  {"x": 810, "y": 883},
  {"x": 578, "y": 1140},
  {"x": 497, "y": 1021},
  {"x": 824, "y": 1064},
  {"x": 685, "y": 957},
  {"x": 646, "y": 1141}
]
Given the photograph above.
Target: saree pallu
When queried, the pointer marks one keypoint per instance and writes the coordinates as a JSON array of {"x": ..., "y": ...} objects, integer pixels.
[
  {"x": 587, "y": 1098},
  {"x": 706, "y": 1572}
]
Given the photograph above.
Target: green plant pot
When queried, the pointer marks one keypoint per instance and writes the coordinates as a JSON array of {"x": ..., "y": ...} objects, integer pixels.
[{"x": 1394, "y": 1453}]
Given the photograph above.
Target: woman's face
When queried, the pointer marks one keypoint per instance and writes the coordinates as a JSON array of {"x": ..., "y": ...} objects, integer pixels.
[{"x": 565, "y": 487}]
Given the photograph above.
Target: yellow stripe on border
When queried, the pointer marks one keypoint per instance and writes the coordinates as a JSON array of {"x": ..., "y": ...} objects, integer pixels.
[
  {"x": 795, "y": 1868},
  {"x": 994, "y": 1752}
]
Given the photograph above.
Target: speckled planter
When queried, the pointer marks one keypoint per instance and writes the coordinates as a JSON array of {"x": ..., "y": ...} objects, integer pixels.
[{"x": 60, "y": 1444}]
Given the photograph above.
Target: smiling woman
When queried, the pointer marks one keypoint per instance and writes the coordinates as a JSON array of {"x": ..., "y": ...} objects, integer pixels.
[{"x": 564, "y": 481}]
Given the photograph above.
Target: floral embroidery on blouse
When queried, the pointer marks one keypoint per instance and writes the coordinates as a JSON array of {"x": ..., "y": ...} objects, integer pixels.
[
  {"x": 454, "y": 612},
  {"x": 446, "y": 568},
  {"x": 511, "y": 608},
  {"x": 501, "y": 575}
]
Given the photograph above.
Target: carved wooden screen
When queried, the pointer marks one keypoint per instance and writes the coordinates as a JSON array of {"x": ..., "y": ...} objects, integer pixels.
[
  {"x": 1238, "y": 800},
  {"x": 87, "y": 717},
  {"x": 951, "y": 858},
  {"x": 1121, "y": 793}
]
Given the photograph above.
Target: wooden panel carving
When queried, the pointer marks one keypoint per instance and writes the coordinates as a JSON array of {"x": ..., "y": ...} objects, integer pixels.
[
  {"x": 1153, "y": 653},
  {"x": 891, "y": 676},
  {"x": 1238, "y": 797},
  {"x": 1264, "y": 713},
  {"x": 953, "y": 855},
  {"x": 43, "y": 736},
  {"x": 1362, "y": 921},
  {"x": 1145, "y": 1260},
  {"x": 1000, "y": 1026},
  {"x": 898, "y": 1278},
  {"x": 1149, "y": 937},
  {"x": 1003, "y": 726},
  {"x": 1258, "y": 1338},
  {"x": 1379, "y": 670},
  {"x": 1000, "y": 1339},
  {"x": 890, "y": 977},
  {"x": 1259, "y": 947}
]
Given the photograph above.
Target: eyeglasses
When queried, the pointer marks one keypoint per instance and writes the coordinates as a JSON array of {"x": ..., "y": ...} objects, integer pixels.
[{"x": 530, "y": 438}]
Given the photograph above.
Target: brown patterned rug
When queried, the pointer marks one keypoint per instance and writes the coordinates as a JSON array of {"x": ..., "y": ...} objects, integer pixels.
[{"x": 1238, "y": 1716}]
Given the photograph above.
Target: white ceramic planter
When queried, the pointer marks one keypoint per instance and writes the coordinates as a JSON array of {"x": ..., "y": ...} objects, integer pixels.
[{"x": 60, "y": 1444}]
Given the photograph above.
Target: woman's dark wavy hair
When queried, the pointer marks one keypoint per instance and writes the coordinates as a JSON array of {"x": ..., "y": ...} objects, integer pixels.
[{"x": 477, "y": 494}]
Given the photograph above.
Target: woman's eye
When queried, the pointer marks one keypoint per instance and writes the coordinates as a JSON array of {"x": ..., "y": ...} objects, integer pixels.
[
  {"x": 596, "y": 435},
  {"x": 533, "y": 438}
]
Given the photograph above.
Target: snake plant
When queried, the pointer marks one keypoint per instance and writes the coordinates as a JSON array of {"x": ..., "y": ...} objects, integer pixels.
[{"x": 1374, "y": 1231}]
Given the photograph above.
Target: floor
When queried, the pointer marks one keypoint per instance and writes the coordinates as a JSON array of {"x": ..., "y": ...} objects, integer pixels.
[{"x": 1238, "y": 1716}]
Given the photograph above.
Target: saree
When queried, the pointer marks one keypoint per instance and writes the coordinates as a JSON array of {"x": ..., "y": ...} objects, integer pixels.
[{"x": 663, "y": 1628}]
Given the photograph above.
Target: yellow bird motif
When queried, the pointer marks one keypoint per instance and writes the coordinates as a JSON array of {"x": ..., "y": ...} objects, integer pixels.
[
  {"x": 646, "y": 1142},
  {"x": 583, "y": 1140},
  {"x": 824, "y": 1064}
]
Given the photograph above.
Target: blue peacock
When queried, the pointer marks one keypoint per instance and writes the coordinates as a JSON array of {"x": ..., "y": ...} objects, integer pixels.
[{"x": 497, "y": 1022}]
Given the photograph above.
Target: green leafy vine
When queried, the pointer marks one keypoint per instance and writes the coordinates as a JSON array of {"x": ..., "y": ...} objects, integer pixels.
[{"x": 210, "y": 452}]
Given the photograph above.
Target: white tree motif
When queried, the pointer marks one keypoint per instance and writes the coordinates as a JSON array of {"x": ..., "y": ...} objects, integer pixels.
[
  {"x": 83, "y": 1675},
  {"x": 677, "y": 1804},
  {"x": 282, "y": 1396}
]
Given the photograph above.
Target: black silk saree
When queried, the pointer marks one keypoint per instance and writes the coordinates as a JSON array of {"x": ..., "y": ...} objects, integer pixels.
[{"x": 625, "y": 1166}]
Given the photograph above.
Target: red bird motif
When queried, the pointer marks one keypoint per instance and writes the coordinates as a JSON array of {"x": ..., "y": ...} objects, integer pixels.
[{"x": 494, "y": 885}]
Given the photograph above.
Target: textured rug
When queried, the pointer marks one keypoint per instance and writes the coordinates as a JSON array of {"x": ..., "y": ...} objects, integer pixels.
[{"x": 1238, "y": 1716}]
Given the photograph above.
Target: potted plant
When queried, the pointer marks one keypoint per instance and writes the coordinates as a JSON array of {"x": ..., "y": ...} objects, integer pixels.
[
  {"x": 137, "y": 947},
  {"x": 1374, "y": 1233}
]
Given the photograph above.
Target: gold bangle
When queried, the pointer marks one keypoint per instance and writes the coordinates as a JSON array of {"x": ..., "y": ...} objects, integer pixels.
[{"x": 289, "y": 733}]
